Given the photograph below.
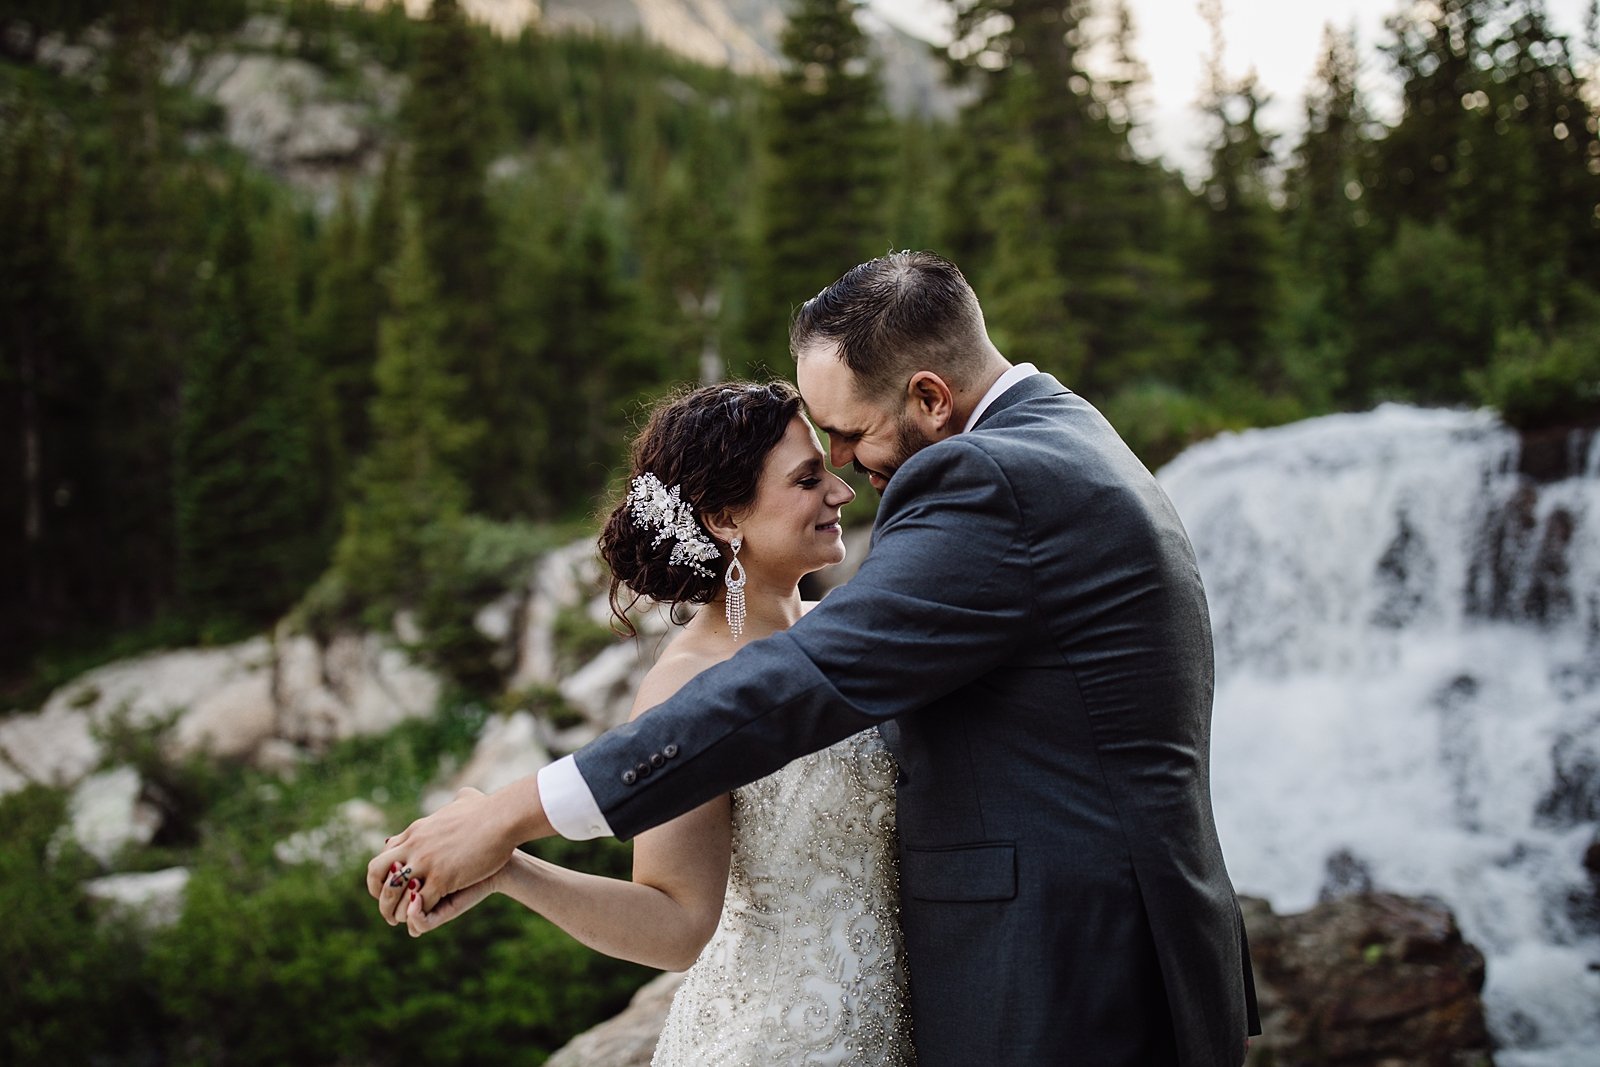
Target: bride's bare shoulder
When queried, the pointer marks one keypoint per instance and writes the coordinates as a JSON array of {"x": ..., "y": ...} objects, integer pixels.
[{"x": 679, "y": 662}]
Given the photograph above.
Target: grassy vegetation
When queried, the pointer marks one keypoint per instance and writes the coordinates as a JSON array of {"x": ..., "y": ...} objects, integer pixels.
[{"x": 272, "y": 963}]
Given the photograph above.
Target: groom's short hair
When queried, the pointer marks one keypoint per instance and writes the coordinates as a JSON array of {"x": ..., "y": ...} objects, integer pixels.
[{"x": 894, "y": 316}]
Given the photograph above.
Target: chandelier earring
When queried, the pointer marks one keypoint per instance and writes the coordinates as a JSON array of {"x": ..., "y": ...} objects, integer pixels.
[{"x": 733, "y": 604}]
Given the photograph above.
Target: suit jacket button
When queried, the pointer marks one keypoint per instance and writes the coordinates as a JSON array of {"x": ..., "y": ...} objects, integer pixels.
[
  {"x": 642, "y": 770},
  {"x": 657, "y": 759},
  {"x": 670, "y": 751},
  {"x": 628, "y": 777}
]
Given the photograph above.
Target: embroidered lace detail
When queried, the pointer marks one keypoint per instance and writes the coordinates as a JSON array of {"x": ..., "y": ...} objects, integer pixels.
[{"x": 806, "y": 966}]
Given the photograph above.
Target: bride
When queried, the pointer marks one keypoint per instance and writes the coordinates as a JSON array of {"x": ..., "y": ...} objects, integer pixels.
[{"x": 781, "y": 898}]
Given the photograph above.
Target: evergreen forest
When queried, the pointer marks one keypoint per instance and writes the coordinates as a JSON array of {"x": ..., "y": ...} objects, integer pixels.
[{"x": 225, "y": 401}]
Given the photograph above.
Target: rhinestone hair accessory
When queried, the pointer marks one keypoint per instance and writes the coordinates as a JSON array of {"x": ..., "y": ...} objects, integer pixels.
[{"x": 655, "y": 507}]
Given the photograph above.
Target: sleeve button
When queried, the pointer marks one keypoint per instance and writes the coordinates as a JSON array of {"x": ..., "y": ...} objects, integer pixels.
[
  {"x": 642, "y": 770},
  {"x": 657, "y": 759},
  {"x": 670, "y": 751},
  {"x": 629, "y": 777}
]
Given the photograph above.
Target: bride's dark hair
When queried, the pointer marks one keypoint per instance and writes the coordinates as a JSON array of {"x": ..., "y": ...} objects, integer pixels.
[{"x": 711, "y": 442}]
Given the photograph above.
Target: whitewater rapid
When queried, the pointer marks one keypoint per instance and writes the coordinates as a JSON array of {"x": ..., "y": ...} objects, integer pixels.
[{"x": 1408, "y": 687}]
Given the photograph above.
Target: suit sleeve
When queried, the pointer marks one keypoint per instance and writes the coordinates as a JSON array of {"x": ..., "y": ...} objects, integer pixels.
[{"x": 941, "y": 600}]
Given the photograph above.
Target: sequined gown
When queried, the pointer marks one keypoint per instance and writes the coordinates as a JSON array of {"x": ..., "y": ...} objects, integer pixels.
[{"x": 806, "y": 965}]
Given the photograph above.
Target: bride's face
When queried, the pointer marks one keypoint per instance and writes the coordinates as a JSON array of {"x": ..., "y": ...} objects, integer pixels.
[{"x": 792, "y": 528}]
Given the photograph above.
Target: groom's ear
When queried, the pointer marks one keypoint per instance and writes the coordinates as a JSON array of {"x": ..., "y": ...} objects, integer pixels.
[{"x": 932, "y": 400}]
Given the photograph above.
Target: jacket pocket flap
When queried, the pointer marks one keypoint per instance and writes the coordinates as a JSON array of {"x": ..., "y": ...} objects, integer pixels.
[{"x": 971, "y": 872}]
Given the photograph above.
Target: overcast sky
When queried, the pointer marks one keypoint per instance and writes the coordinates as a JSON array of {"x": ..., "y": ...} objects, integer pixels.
[{"x": 1279, "y": 38}]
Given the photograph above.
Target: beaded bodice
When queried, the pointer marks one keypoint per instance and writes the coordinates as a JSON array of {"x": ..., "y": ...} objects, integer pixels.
[{"x": 806, "y": 965}]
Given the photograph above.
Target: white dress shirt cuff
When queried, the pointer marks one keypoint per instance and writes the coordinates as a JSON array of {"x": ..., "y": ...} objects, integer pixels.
[{"x": 568, "y": 803}]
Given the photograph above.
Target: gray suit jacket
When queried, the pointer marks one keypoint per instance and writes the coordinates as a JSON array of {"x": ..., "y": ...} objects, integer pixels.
[{"x": 1031, "y": 635}]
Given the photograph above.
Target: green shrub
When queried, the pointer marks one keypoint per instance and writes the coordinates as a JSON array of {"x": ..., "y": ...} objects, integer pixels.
[
  {"x": 70, "y": 986},
  {"x": 1159, "y": 421},
  {"x": 272, "y": 963},
  {"x": 1534, "y": 381}
]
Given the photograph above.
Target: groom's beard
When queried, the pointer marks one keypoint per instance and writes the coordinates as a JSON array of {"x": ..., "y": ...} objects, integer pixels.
[{"x": 909, "y": 440}]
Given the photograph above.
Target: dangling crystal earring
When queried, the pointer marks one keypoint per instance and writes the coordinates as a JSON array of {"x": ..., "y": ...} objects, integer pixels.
[{"x": 734, "y": 602}]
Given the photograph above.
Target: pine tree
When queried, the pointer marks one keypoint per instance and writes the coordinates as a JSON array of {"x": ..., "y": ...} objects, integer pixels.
[
  {"x": 593, "y": 355},
  {"x": 1331, "y": 236},
  {"x": 1495, "y": 156},
  {"x": 686, "y": 217},
  {"x": 449, "y": 114},
  {"x": 825, "y": 182},
  {"x": 342, "y": 327},
  {"x": 1099, "y": 208},
  {"x": 1436, "y": 52},
  {"x": 1025, "y": 298},
  {"x": 1239, "y": 260},
  {"x": 1327, "y": 181},
  {"x": 1533, "y": 182},
  {"x": 251, "y": 494},
  {"x": 48, "y": 379},
  {"x": 147, "y": 234},
  {"x": 408, "y": 497}
]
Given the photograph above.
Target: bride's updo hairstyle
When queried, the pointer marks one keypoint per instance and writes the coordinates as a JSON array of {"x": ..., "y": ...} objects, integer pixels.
[{"x": 711, "y": 443}]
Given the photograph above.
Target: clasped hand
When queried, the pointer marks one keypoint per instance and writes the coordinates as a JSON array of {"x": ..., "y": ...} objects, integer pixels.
[{"x": 440, "y": 866}]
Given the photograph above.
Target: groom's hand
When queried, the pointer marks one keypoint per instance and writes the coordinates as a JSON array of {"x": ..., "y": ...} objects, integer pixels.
[{"x": 457, "y": 846}]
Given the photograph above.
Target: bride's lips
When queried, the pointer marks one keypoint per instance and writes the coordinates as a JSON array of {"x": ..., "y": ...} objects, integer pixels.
[{"x": 829, "y": 527}]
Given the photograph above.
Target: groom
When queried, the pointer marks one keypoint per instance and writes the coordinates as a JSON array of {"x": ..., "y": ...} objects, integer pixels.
[{"x": 1030, "y": 634}]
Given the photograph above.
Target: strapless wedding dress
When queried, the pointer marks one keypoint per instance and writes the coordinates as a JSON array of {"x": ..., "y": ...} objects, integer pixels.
[{"x": 806, "y": 965}]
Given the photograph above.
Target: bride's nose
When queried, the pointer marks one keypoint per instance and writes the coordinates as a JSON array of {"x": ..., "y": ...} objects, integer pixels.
[{"x": 841, "y": 493}]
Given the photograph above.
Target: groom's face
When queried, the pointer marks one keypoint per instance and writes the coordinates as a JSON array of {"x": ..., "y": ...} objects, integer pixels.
[{"x": 873, "y": 436}]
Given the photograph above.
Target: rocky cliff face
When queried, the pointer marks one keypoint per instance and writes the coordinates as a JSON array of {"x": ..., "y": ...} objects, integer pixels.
[{"x": 313, "y": 131}]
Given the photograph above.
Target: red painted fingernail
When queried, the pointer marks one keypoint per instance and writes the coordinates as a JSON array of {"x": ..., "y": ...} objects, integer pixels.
[
  {"x": 413, "y": 896},
  {"x": 395, "y": 866},
  {"x": 413, "y": 885}
]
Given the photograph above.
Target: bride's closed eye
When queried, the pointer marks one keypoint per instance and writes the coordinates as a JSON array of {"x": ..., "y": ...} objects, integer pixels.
[{"x": 809, "y": 483}]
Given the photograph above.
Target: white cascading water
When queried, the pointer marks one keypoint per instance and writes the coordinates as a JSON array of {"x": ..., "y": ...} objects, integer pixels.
[{"x": 1408, "y": 687}]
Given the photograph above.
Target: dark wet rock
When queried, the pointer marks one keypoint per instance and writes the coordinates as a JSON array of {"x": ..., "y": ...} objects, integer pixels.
[
  {"x": 1367, "y": 980},
  {"x": 1554, "y": 453},
  {"x": 1344, "y": 874}
]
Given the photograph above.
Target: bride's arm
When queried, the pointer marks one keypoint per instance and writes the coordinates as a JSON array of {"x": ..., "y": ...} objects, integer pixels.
[{"x": 665, "y": 915}]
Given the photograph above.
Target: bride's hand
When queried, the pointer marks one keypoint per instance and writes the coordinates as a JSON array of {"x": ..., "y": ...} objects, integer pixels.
[{"x": 419, "y": 922}]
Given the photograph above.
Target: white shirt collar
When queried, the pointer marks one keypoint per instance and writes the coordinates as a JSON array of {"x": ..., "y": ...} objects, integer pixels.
[{"x": 1002, "y": 383}]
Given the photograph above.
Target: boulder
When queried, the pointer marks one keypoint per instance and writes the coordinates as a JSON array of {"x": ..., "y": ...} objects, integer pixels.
[
  {"x": 53, "y": 747},
  {"x": 355, "y": 686},
  {"x": 508, "y": 749},
  {"x": 153, "y": 898},
  {"x": 259, "y": 700},
  {"x": 1366, "y": 980},
  {"x": 603, "y": 688},
  {"x": 628, "y": 1039},
  {"x": 150, "y": 690},
  {"x": 355, "y": 832},
  {"x": 279, "y": 110},
  {"x": 11, "y": 779},
  {"x": 231, "y": 723},
  {"x": 106, "y": 813},
  {"x": 564, "y": 578},
  {"x": 497, "y": 621}
]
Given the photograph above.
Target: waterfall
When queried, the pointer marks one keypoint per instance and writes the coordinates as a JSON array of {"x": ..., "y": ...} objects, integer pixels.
[{"x": 1408, "y": 686}]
